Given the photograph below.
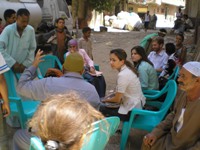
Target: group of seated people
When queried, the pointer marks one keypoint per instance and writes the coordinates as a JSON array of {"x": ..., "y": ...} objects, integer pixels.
[
  {"x": 61, "y": 109},
  {"x": 183, "y": 23}
]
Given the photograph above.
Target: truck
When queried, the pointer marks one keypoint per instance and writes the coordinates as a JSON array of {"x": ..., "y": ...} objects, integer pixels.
[{"x": 41, "y": 11}]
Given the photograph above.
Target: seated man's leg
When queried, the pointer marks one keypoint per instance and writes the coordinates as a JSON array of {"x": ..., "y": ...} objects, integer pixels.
[{"x": 21, "y": 140}]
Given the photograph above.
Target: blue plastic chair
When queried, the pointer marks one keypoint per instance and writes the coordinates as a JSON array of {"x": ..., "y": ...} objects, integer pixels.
[
  {"x": 50, "y": 61},
  {"x": 97, "y": 138},
  {"x": 146, "y": 119},
  {"x": 23, "y": 109}
]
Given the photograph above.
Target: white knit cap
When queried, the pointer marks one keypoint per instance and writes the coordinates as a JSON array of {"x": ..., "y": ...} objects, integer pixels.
[{"x": 193, "y": 67}]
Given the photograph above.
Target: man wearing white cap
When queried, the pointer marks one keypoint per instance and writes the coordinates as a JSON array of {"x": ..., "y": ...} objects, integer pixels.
[{"x": 181, "y": 128}]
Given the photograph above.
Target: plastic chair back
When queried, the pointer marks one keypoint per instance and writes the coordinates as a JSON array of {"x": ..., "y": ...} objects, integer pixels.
[
  {"x": 96, "y": 138},
  {"x": 11, "y": 80},
  {"x": 101, "y": 131},
  {"x": 50, "y": 61},
  {"x": 36, "y": 144},
  {"x": 147, "y": 119},
  {"x": 175, "y": 73},
  {"x": 23, "y": 109}
]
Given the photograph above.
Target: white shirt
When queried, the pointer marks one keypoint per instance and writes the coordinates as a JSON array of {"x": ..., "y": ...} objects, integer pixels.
[
  {"x": 159, "y": 60},
  {"x": 128, "y": 84},
  {"x": 179, "y": 123},
  {"x": 3, "y": 65},
  {"x": 146, "y": 18}
]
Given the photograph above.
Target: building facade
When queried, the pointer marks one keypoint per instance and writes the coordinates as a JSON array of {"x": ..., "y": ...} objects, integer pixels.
[{"x": 165, "y": 10}]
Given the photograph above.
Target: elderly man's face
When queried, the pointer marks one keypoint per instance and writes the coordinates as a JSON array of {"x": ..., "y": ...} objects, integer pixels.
[{"x": 186, "y": 80}]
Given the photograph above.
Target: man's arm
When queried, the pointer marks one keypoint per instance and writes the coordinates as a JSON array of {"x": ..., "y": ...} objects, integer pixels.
[
  {"x": 4, "y": 41},
  {"x": 31, "y": 51},
  {"x": 195, "y": 147},
  {"x": 29, "y": 87},
  {"x": 165, "y": 126},
  {"x": 4, "y": 93}
]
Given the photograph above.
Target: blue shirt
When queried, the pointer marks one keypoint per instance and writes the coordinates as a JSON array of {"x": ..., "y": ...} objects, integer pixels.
[
  {"x": 159, "y": 60},
  {"x": 43, "y": 88},
  {"x": 148, "y": 76},
  {"x": 15, "y": 48}
]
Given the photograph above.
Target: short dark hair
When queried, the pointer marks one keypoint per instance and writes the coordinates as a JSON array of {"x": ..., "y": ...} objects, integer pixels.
[
  {"x": 0, "y": 19},
  {"x": 163, "y": 30},
  {"x": 181, "y": 35},
  {"x": 57, "y": 20},
  {"x": 158, "y": 39},
  {"x": 170, "y": 48},
  {"x": 86, "y": 29},
  {"x": 23, "y": 11},
  {"x": 8, "y": 13}
]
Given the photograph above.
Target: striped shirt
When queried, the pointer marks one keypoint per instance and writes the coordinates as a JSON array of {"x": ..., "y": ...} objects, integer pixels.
[{"x": 3, "y": 66}]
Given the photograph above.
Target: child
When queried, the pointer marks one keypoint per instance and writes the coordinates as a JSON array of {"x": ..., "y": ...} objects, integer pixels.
[
  {"x": 171, "y": 63},
  {"x": 85, "y": 42},
  {"x": 58, "y": 38}
]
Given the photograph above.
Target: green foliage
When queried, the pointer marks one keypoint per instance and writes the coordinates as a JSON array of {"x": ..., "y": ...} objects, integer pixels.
[{"x": 101, "y": 5}]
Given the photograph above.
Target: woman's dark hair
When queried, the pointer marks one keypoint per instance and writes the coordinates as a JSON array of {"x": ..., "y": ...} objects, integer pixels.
[
  {"x": 170, "y": 48},
  {"x": 181, "y": 35},
  {"x": 121, "y": 54},
  {"x": 140, "y": 50}
]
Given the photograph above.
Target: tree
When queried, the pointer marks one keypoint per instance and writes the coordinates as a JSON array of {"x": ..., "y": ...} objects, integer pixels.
[{"x": 101, "y": 5}]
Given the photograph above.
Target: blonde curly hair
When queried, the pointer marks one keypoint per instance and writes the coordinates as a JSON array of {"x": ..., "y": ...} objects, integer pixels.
[{"x": 65, "y": 119}]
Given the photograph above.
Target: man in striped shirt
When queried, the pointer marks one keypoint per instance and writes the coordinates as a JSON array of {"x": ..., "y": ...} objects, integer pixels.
[{"x": 3, "y": 87}]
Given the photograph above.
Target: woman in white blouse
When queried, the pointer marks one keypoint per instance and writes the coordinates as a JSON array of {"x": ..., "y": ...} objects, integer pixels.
[{"x": 128, "y": 92}]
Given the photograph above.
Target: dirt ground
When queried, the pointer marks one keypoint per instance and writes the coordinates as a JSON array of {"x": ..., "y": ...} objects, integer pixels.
[{"x": 103, "y": 42}]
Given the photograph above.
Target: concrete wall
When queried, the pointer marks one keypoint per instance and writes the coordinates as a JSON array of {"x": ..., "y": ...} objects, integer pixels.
[{"x": 193, "y": 11}]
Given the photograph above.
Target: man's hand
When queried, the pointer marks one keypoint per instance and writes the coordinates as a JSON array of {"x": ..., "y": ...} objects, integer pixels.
[
  {"x": 149, "y": 139},
  {"x": 92, "y": 70},
  {"x": 6, "y": 109},
  {"x": 38, "y": 58},
  {"x": 18, "y": 68}
]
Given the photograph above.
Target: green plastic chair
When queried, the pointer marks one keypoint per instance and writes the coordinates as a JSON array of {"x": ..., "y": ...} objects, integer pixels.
[
  {"x": 96, "y": 139},
  {"x": 50, "y": 61},
  {"x": 154, "y": 94},
  {"x": 23, "y": 109},
  {"x": 146, "y": 119}
]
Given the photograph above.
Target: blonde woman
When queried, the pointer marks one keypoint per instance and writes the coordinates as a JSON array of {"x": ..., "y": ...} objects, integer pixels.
[{"x": 61, "y": 122}]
